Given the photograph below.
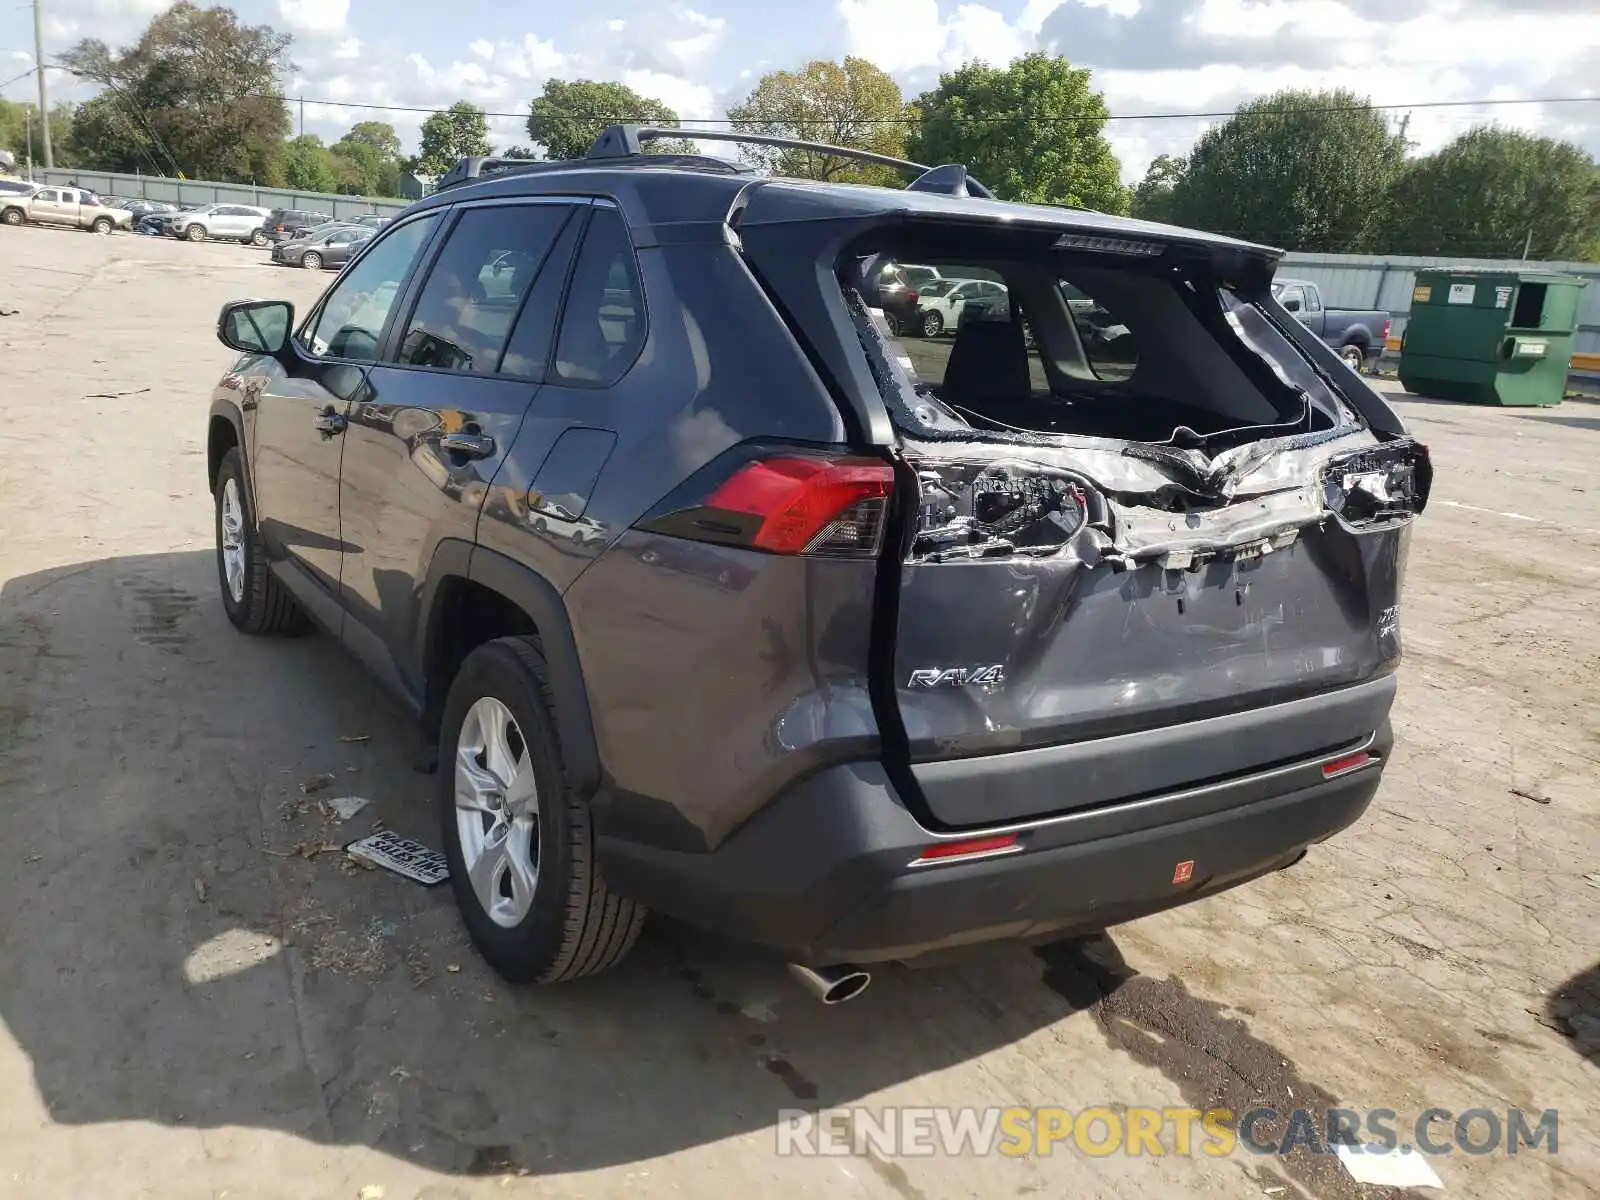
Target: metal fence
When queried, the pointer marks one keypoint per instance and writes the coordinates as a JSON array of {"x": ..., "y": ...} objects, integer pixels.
[
  {"x": 198, "y": 191},
  {"x": 1385, "y": 282}
]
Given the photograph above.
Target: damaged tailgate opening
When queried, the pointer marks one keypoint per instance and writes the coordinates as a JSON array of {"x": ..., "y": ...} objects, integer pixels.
[{"x": 1139, "y": 504}]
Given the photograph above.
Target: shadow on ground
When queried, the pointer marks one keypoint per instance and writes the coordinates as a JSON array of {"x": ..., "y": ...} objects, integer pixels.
[
  {"x": 184, "y": 944},
  {"x": 1574, "y": 1011}
]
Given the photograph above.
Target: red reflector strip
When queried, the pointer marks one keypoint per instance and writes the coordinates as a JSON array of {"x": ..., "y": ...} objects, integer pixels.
[
  {"x": 1342, "y": 766},
  {"x": 943, "y": 851}
]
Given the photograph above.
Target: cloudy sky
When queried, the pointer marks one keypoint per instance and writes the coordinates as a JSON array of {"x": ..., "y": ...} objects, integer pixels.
[{"x": 699, "y": 56}]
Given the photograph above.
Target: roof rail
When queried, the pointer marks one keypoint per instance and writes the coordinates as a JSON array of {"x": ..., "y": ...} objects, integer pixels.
[
  {"x": 477, "y": 167},
  {"x": 625, "y": 141}
]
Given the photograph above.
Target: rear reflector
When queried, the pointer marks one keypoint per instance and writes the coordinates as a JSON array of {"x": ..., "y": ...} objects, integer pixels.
[
  {"x": 1345, "y": 764},
  {"x": 969, "y": 848},
  {"x": 809, "y": 505}
]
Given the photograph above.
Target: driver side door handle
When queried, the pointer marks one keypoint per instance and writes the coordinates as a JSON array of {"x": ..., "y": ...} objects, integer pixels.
[
  {"x": 468, "y": 445},
  {"x": 327, "y": 422}
]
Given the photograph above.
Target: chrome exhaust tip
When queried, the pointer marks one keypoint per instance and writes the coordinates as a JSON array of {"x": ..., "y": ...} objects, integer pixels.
[{"x": 832, "y": 985}]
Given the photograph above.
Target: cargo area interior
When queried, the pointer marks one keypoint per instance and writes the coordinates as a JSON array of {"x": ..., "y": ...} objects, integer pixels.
[{"x": 1108, "y": 346}]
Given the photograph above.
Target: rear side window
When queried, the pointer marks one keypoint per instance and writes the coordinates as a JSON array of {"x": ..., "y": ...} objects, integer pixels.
[
  {"x": 603, "y": 325},
  {"x": 477, "y": 285}
]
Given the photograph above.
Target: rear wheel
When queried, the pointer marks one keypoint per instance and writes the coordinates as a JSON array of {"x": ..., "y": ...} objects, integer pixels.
[
  {"x": 519, "y": 842},
  {"x": 1354, "y": 356},
  {"x": 258, "y": 237},
  {"x": 195, "y": 233},
  {"x": 932, "y": 324},
  {"x": 312, "y": 261},
  {"x": 896, "y": 326},
  {"x": 101, "y": 225},
  {"x": 252, "y": 596}
]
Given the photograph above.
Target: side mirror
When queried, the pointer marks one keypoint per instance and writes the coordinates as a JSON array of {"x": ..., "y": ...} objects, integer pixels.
[
  {"x": 1291, "y": 306},
  {"x": 256, "y": 326}
]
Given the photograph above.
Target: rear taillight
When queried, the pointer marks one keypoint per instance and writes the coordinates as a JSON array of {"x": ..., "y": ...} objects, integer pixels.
[
  {"x": 786, "y": 503},
  {"x": 1386, "y": 325},
  {"x": 1379, "y": 485},
  {"x": 913, "y": 295}
]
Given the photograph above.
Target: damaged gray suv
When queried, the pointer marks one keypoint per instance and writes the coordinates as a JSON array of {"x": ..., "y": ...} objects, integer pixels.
[{"x": 717, "y": 599}]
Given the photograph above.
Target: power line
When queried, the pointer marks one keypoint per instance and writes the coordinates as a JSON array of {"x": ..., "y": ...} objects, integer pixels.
[
  {"x": 17, "y": 78},
  {"x": 1160, "y": 116}
]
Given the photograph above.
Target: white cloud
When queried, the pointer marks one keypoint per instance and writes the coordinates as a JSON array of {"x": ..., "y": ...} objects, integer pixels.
[
  {"x": 315, "y": 16},
  {"x": 482, "y": 48},
  {"x": 349, "y": 48}
]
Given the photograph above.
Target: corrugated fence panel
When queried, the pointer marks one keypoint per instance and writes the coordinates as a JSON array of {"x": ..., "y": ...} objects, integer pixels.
[
  {"x": 200, "y": 191},
  {"x": 1385, "y": 281}
]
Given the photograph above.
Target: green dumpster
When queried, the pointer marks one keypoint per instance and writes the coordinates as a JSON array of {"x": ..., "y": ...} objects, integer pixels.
[{"x": 1490, "y": 337}]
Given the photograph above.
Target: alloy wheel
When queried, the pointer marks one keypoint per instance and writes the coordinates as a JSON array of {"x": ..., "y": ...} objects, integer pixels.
[{"x": 497, "y": 812}]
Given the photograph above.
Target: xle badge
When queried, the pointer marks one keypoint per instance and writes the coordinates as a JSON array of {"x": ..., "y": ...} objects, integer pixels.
[{"x": 1183, "y": 872}]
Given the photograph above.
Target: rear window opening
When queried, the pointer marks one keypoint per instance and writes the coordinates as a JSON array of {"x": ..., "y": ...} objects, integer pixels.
[{"x": 1007, "y": 335}]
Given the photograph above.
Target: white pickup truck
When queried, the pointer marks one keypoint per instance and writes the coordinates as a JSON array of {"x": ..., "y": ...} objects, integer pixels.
[{"x": 63, "y": 206}]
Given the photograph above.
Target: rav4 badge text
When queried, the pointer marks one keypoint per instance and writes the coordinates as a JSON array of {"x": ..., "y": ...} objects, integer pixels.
[{"x": 933, "y": 677}]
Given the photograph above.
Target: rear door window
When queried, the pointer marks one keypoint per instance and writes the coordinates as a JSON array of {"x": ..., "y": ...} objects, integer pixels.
[
  {"x": 603, "y": 323},
  {"x": 477, "y": 284}
]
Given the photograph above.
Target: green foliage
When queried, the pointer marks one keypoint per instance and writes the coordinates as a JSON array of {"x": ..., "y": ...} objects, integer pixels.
[
  {"x": 366, "y": 160},
  {"x": 1301, "y": 170},
  {"x": 567, "y": 117},
  {"x": 1484, "y": 194},
  {"x": 852, "y": 103},
  {"x": 197, "y": 94},
  {"x": 1032, "y": 131},
  {"x": 460, "y": 131},
  {"x": 19, "y": 127},
  {"x": 310, "y": 166},
  {"x": 1152, "y": 199}
]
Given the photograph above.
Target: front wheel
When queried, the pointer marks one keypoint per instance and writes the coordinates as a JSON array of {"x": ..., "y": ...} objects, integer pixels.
[
  {"x": 932, "y": 324},
  {"x": 12, "y": 216},
  {"x": 1354, "y": 357},
  {"x": 195, "y": 233},
  {"x": 101, "y": 225},
  {"x": 312, "y": 261},
  {"x": 519, "y": 842},
  {"x": 253, "y": 597}
]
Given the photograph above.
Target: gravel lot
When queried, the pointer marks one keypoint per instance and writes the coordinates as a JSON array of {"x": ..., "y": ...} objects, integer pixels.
[{"x": 193, "y": 1007}]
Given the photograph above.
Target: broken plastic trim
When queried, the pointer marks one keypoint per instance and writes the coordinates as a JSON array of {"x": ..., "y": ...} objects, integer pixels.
[{"x": 1379, "y": 486}]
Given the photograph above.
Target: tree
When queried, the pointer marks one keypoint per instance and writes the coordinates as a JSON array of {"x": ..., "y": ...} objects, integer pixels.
[
  {"x": 198, "y": 94},
  {"x": 460, "y": 131},
  {"x": 1031, "y": 131},
  {"x": 566, "y": 118},
  {"x": 852, "y": 103},
  {"x": 19, "y": 130},
  {"x": 1490, "y": 193},
  {"x": 367, "y": 160},
  {"x": 310, "y": 166},
  {"x": 1302, "y": 170},
  {"x": 1152, "y": 199}
]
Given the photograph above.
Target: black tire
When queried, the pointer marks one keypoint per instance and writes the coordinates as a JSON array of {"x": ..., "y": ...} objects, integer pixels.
[
  {"x": 1354, "y": 355},
  {"x": 892, "y": 320},
  {"x": 575, "y": 925},
  {"x": 265, "y": 607},
  {"x": 311, "y": 260},
  {"x": 932, "y": 324},
  {"x": 195, "y": 232},
  {"x": 257, "y": 238},
  {"x": 101, "y": 225},
  {"x": 13, "y": 216}
]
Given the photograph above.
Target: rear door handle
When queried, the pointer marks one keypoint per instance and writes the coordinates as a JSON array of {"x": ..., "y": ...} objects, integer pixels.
[
  {"x": 327, "y": 422},
  {"x": 469, "y": 445}
]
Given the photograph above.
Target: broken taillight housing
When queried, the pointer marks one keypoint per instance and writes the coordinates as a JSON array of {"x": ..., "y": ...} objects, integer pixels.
[
  {"x": 1380, "y": 484},
  {"x": 782, "y": 501},
  {"x": 971, "y": 509}
]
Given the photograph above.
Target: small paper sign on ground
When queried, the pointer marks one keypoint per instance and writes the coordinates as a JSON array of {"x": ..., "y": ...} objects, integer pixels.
[
  {"x": 1369, "y": 1164},
  {"x": 403, "y": 856}
]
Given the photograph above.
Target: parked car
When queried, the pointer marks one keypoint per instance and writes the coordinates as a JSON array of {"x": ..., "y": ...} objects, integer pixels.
[
  {"x": 940, "y": 302},
  {"x": 17, "y": 187},
  {"x": 897, "y": 300},
  {"x": 894, "y": 654},
  {"x": 62, "y": 206},
  {"x": 224, "y": 222},
  {"x": 141, "y": 208},
  {"x": 1358, "y": 334},
  {"x": 331, "y": 246},
  {"x": 371, "y": 220},
  {"x": 285, "y": 224}
]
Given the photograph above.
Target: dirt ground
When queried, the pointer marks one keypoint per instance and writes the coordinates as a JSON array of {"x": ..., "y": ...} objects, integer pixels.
[{"x": 198, "y": 999}]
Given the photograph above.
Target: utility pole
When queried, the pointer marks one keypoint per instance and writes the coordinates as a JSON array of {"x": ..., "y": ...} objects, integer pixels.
[
  {"x": 302, "y": 116},
  {"x": 1527, "y": 245},
  {"x": 44, "y": 94}
]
